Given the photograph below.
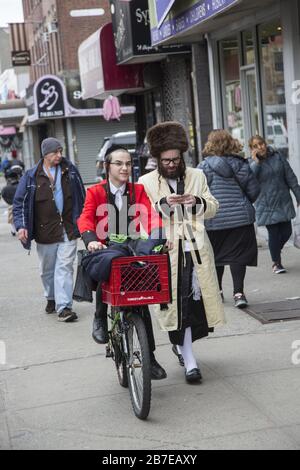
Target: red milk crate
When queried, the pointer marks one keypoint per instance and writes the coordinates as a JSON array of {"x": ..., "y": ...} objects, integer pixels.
[{"x": 138, "y": 280}]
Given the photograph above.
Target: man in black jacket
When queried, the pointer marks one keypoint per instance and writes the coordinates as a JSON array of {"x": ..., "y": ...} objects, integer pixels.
[{"x": 48, "y": 201}]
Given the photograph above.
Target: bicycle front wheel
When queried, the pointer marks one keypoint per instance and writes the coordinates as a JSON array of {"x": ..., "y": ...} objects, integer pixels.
[
  {"x": 118, "y": 351},
  {"x": 139, "y": 371}
]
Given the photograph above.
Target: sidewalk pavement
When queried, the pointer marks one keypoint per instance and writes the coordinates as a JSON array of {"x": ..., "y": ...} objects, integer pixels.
[{"x": 58, "y": 391}]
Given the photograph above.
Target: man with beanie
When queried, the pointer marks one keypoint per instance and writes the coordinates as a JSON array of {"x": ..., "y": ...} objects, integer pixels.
[
  {"x": 182, "y": 197},
  {"x": 48, "y": 201}
]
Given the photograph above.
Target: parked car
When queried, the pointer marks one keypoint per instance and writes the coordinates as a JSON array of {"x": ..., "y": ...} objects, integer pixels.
[
  {"x": 277, "y": 134},
  {"x": 124, "y": 139}
]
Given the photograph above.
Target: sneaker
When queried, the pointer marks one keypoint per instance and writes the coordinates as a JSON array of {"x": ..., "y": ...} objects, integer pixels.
[
  {"x": 67, "y": 315},
  {"x": 278, "y": 268},
  {"x": 240, "y": 300},
  {"x": 50, "y": 307}
]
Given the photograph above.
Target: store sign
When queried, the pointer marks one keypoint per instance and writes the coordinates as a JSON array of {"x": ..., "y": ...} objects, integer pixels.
[
  {"x": 50, "y": 97},
  {"x": 131, "y": 27},
  {"x": 162, "y": 9},
  {"x": 50, "y": 100},
  {"x": 183, "y": 16},
  {"x": 20, "y": 58}
]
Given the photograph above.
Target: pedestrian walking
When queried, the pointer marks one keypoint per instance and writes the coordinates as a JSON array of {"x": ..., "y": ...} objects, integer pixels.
[
  {"x": 48, "y": 201},
  {"x": 112, "y": 209},
  {"x": 274, "y": 206},
  {"x": 182, "y": 197},
  {"x": 13, "y": 173},
  {"x": 231, "y": 232}
]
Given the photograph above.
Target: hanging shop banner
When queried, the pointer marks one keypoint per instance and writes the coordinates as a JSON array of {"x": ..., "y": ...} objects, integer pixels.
[
  {"x": 50, "y": 98},
  {"x": 20, "y": 58},
  {"x": 132, "y": 37},
  {"x": 184, "y": 15}
]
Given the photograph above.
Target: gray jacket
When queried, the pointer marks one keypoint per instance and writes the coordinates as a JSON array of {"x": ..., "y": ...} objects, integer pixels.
[
  {"x": 276, "y": 179},
  {"x": 233, "y": 184}
]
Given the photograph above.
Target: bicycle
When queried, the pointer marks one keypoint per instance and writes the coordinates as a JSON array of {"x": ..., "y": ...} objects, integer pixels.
[{"x": 134, "y": 281}]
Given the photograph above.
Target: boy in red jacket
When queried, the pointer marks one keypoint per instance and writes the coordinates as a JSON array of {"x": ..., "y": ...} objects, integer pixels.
[{"x": 117, "y": 207}]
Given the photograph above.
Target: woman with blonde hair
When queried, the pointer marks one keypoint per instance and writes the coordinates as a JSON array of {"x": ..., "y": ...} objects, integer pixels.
[{"x": 231, "y": 231}]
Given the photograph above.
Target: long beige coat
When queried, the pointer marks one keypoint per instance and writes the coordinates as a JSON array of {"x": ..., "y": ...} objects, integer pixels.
[{"x": 195, "y": 184}]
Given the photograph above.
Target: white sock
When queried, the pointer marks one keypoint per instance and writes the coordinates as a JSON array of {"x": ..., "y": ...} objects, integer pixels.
[{"x": 186, "y": 351}]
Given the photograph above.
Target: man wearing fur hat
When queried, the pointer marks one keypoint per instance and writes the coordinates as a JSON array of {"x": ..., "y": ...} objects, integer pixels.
[
  {"x": 48, "y": 201},
  {"x": 182, "y": 197}
]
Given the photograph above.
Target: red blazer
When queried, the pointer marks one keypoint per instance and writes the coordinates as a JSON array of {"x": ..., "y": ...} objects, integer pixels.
[{"x": 94, "y": 217}]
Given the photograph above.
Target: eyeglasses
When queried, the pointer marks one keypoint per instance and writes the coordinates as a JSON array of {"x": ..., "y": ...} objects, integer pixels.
[
  {"x": 121, "y": 164},
  {"x": 168, "y": 161}
]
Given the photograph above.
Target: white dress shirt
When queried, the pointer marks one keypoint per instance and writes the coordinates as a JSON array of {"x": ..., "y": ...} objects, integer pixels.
[{"x": 118, "y": 193}]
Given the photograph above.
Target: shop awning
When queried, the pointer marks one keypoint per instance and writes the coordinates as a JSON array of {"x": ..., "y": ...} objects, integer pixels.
[
  {"x": 7, "y": 130},
  {"x": 184, "y": 18},
  {"x": 99, "y": 73}
]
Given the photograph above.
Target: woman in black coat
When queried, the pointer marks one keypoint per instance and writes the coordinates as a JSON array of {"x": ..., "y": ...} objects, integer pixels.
[
  {"x": 231, "y": 231},
  {"x": 274, "y": 206}
]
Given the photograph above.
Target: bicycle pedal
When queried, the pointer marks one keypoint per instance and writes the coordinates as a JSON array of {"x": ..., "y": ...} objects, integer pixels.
[{"x": 108, "y": 352}]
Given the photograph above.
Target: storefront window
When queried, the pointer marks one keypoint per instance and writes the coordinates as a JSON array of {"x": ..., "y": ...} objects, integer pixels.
[
  {"x": 248, "y": 48},
  {"x": 273, "y": 92},
  {"x": 232, "y": 100}
]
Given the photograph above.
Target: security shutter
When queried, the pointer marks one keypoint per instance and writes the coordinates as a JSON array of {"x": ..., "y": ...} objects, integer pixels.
[{"x": 90, "y": 133}]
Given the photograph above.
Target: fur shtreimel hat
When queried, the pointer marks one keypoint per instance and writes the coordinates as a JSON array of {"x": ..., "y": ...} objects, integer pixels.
[{"x": 167, "y": 136}]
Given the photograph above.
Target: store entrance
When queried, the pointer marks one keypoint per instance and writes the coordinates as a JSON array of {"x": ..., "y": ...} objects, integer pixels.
[{"x": 250, "y": 102}]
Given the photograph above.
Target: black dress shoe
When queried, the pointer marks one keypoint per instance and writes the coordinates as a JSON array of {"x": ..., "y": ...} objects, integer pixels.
[
  {"x": 157, "y": 372},
  {"x": 50, "y": 307},
  {"x": 193, "y": 375},
  {"x": 100, "y": 333},
  {"x": 180, "y": 357}
]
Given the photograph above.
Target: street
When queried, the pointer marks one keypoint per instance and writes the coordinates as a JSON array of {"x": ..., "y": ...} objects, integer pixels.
[{"x": 58, "y": 391}]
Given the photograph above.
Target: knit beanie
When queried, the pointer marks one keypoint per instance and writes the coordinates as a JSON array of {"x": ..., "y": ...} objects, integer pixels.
[{"x": 50, "y": 145}]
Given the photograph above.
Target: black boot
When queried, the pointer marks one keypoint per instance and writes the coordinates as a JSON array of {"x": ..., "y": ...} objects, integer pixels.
[
  {"x": 157, "y": 372},
  {"x": 100, "y": 331}
]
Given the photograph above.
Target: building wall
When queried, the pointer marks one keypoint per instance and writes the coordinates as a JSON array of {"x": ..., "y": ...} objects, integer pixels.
[
  {"x": 57, "y": 51},
  {"x": 201, "y": 94},
  {"x": 5, "y": 60},
  {"x": 73, "y": 31}
]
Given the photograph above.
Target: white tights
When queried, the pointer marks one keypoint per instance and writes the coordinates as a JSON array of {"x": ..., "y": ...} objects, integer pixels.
[{"x": 186, "y": 351}]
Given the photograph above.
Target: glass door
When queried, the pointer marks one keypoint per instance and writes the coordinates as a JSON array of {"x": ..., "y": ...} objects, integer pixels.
[{"x": 250, "y": 100}]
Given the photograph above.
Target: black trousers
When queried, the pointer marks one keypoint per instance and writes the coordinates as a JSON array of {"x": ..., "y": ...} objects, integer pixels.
[
  {"x": 101, "y": 312},
  {"x": 192, "y": 311},
  {"x": 238, "y": 273},
  {"x": 279, "y": 234}
]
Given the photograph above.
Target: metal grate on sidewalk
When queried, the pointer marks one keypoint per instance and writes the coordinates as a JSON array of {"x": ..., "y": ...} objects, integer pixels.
[{"x": 275, "y": 311}]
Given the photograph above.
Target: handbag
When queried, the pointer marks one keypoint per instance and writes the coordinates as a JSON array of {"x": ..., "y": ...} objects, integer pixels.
[
  {"x": 83, "y": 289},
  {"x": 296, "y": 227}
]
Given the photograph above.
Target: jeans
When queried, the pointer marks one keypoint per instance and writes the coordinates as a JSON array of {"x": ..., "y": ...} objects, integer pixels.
[
  {"x": 279, "y": 234},
  {"x": 56, "y": 269}
]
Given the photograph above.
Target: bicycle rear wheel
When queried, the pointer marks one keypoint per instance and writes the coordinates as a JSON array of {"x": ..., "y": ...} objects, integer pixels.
[{"x": 139, "y": 371}]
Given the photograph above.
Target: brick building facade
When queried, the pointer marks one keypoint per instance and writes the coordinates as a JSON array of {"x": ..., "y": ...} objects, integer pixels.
[{"x": 54, "y": 35}]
